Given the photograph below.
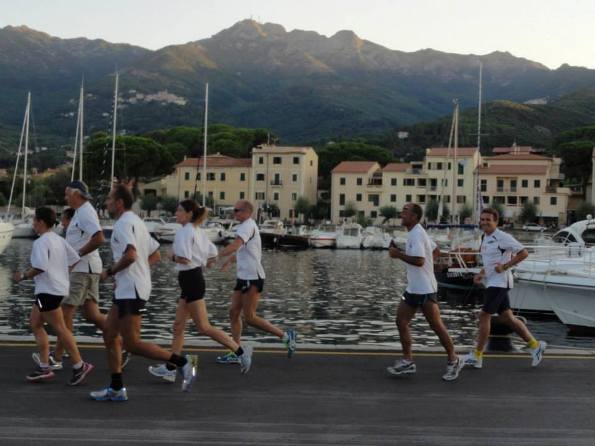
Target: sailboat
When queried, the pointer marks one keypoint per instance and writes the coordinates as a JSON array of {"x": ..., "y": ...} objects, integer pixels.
[{"x": 23, "y": 226}]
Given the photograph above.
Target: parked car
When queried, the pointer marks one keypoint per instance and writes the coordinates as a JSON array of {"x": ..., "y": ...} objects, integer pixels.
[{"x": 533, "y": 227}]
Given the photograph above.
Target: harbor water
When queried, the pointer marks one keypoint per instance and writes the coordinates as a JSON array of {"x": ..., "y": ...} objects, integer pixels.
[{"x": 340, "y": 297}]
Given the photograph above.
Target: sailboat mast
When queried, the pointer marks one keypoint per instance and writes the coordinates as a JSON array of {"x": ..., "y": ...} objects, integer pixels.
[
  {"x": 455, "y": 167},
  {"x": 479, "y": 107},
  {"x": 81, "y": 136},
  {"x": 76, "y": 140},
  {"x": 16, "y": 166},
  {"x": 204, "y": 156},
  {"x": 27, "y": 113},
  {"x": 114, "y": 131},
  {"x": 477, "y": 193}
]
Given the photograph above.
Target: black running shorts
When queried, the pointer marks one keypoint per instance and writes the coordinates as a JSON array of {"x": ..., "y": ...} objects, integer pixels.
[
  {"x": 47, "y": 302},
  {"x": 192, "y": 284},
  {"x": 418, "y": 300},
  {"x": 495, "y": 300},
  {"x": 244, "y": 285},
  {"x": 127, "y": 307}
]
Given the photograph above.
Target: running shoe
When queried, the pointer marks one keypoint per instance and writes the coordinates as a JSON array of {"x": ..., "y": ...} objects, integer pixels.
[
  {"x": 402, "y": 367},
  {"x": 78, "y": 375},
  {"x": 109, "y": 394},
  {"x": 537, "y": 353},
  {"x": 471, "y": 360},
  {"x": 289, "y": 339},
  {"x": 189, "y": 372},
  {"x": 54, "y": 365},
  {"x": 40, "y": 374},
  {"x": 125, "y": 358},
  {"x": 229, "y": 358},
  {"x": 161, "y": 371},
  {"x": 453, "y": 369},
  {"x": 245, "y": 359}
]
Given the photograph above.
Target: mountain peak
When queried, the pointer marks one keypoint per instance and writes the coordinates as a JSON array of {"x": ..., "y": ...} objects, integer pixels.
[{"x": 250, "y": 29}]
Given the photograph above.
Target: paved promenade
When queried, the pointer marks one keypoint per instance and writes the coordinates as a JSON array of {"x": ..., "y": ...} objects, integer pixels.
[{"x": 320, "y": 397}]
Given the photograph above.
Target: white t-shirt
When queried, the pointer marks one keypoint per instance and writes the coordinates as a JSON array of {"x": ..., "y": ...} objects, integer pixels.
[
  {"x": 420, "y": 279},
  {"x": 83, "y": 226},
  {"x": 498, "y": 247},
  {"x": 52, "y": 255},
  {"x": 136, "y": 279},
  {"x": 193, "y": 244},
  {"x": 249, "y": 256}
]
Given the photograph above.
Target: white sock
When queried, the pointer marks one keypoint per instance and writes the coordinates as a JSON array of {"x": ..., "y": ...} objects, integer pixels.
[
  {"x": 78, "y": 365},
  {"x": 44, "y": 365}
]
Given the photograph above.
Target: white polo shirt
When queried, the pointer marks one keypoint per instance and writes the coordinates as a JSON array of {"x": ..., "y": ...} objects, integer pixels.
[
  {"x": 498, "y": 247},
  {"x": 136, "y": 279},
  {"x": 249, "y": 256},
  {"x": 420, "y": 279},
  {"x": 83, "y": 226},
  {"x": 52, "y": 255},
  {"x": 192, "y": 243}
]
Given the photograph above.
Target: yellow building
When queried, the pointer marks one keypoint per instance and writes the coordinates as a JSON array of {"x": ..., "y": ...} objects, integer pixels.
[
  {"x": 357, "y": 184},
  {"x": 274, "y": 175}
]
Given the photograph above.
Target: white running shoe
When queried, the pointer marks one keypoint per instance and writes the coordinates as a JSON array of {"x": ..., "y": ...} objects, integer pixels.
[
  {"x": 453, "y": 369},
  {"x": 161, "y": 371},
  {"x": 54, "y": 365},
  {"x": 109, "y": 394},
  {"x": 537, "y": 353},
  {"x": 402, "y": 367},
  {"x": 471, "y": 360},
  {"x": 189, "y": 372},
  {"x": 246, "y": 359}
]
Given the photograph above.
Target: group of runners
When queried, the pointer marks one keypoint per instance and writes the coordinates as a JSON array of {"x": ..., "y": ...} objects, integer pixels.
[{"x": 67, "y": 272}]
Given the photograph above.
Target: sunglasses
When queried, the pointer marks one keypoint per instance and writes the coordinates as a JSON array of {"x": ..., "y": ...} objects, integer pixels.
[{"x": 237, "y": 210}]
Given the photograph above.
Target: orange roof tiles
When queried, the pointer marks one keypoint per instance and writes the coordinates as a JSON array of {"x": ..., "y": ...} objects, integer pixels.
[
  {"x": 217, "y": 161},
  {"x": 354, "y": 166},
  {"x": 396, "y": 167},
  {"x": 508, "y": 169},
  {"x": 443, "y": 151},
  {"x": 519, "y": 157}
]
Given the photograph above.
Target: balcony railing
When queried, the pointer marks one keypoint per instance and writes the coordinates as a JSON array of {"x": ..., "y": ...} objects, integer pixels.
[{"x": 276, "y": 183}]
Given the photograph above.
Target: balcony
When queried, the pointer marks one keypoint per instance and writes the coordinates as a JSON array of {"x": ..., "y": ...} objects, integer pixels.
[
  {"x": 506, "y": 190},
  {"x": 415, "y": 171},
  {"x": 375, "y": 183},
  {"x": 276, "y": 183},
  {"x": 551, "y": 189}
]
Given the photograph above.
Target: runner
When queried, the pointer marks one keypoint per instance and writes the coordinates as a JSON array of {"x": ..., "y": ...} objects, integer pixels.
[
  {"x": 134, "y": 251},
  {"x": 250, "y": 282},
  {"x": 66, "y": 218},
  {"x": 192, "y": 251},
  {"x": 421, "y": 293},
  {"x": 500, "y": 252},
  {"x": 51, "y": 257}
]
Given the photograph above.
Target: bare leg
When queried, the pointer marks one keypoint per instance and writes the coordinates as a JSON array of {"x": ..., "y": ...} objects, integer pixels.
[
  {"x": 235, "y": 316},
  {"x": 432, "y": 313},
  {"x": 405, "y": 314},
  {"x": 130, "y": 330},
  {"x": 68, "y": 311},
  {"x": 112, "y": 340},
  {"x": 41, "y": 337},
  {"x": 198, "y": 312},
  {"x": 179, "y": 327},
  {"x": 483, "y": 334},
  {"x": 250, "y": 303},
  {"x": 519, "y": 328},
  {"x": 56, "y": 321},
  {"x": 92, "y": 314}
]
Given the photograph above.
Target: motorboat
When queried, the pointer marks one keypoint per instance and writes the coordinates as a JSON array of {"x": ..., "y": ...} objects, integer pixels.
[
  {"x": 349, "y": 236},
  {"x": 325, "y": 236},
  {"x": 581, "y": 232},
  {"x": 295, "y": 238},
  {"x": 215, "y": 231},
  {"x": 271, "y": 232},
  {"x": 152, "y": 223},
  {"x": 373, "y": 237},
  {"x": 24, "y": 228},
  {"x": 167, "y": 232}
]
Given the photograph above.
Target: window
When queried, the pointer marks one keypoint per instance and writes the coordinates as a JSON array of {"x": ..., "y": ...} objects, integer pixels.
[
  {"x": 210, "y": 176},
  {"x": 447, "y": 199},
  {"x": 485, "y": 199},
  {"x": 341, "y": 213},
  {"x": 276, "y": 160},
  {"x": 421, "y": 199},
  {"x": 242, "y": 176},
  {"x": 342, "y": 181},
  {"x": 511, "y": 200},
  {"x": 260, "y": 177},
  {"x": 408, "y": 198},
  {"x": 513, "y": 185},
  {"x": 259, "y": 195},
  {"x": 500, "y": 185},
  {"x": 311, "y": 163},
  {"x": 461, "y": 199},
  {"x": 341, "y": 199},
  {"x": 553, "y": 201},
  {"x": 536, "y": 200},
  {"x": 408, "y": 181},
  {"x": 242, "y": 195},
  {"x": 221, "y": 195},
  {"x": 461, "y": 170},
  {"x": 525, "y": 183},
  {"x": 261, "y": 160},
  {"x": 444, "y": 182},
  {"x": 186, "y": 194},
  {"x": 537, "y": 184},
  {"x": 393, "y": 181},
  {"x": 439, "y": 166},
  {"x": 277, "y": 179},
  {"x": 276, "y": 196},
  {"x": 293, "y": 196},
  {"x": 421, "y": 182},
  {"x": 373, "y": 214},
  {"x": 187, "y": 176},
  {"x": 358, "y": 197},
  {"x": 393, "y": 198},
  {"x": 499, "y": 200},
  {"x": 296, "y": 160},
  {"x": 374, "y": 199},
  {"x": 460, "y": 182},
  {"x": 524, "y": 200},
  {"x": 359, "y": 181},
  {"x": 222, "y": 176},
  {"x": 484, "y": 185},
  {"x": 449, "y": 166},
  {"x": 429, "y": 166},
  {"x": 294, "y": 177},
  {"x": 198, "y": 176}
]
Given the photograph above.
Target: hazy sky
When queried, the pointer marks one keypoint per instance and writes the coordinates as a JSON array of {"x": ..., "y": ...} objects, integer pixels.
[{"x": 548, "y": 31}]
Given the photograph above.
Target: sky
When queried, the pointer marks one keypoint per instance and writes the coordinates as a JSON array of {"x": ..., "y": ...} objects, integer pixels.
[{"x": 551, "y": 32}]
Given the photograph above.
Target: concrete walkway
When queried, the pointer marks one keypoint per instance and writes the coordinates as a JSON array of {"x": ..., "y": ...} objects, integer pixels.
[{"x": 315, "y": 398}]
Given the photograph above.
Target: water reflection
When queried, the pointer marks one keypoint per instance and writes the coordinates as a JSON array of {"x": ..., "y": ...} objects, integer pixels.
[{"x": 330, "y": 297}]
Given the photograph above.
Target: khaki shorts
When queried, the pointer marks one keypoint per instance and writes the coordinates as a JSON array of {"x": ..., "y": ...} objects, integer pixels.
[{"x": 83, "y": 286}]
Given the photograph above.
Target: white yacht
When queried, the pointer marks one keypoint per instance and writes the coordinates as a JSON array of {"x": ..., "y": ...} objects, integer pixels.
[
  {"x": 375, "y": 238},
  {"x": 167, "y": 232},
  {"x": 6, "y": 231},
  {"x": 215, "y": 231},
  {"x": 349, "y": 236},
  {"x": 325, "y": 236},
  {"x": 152, "y": 223}
]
